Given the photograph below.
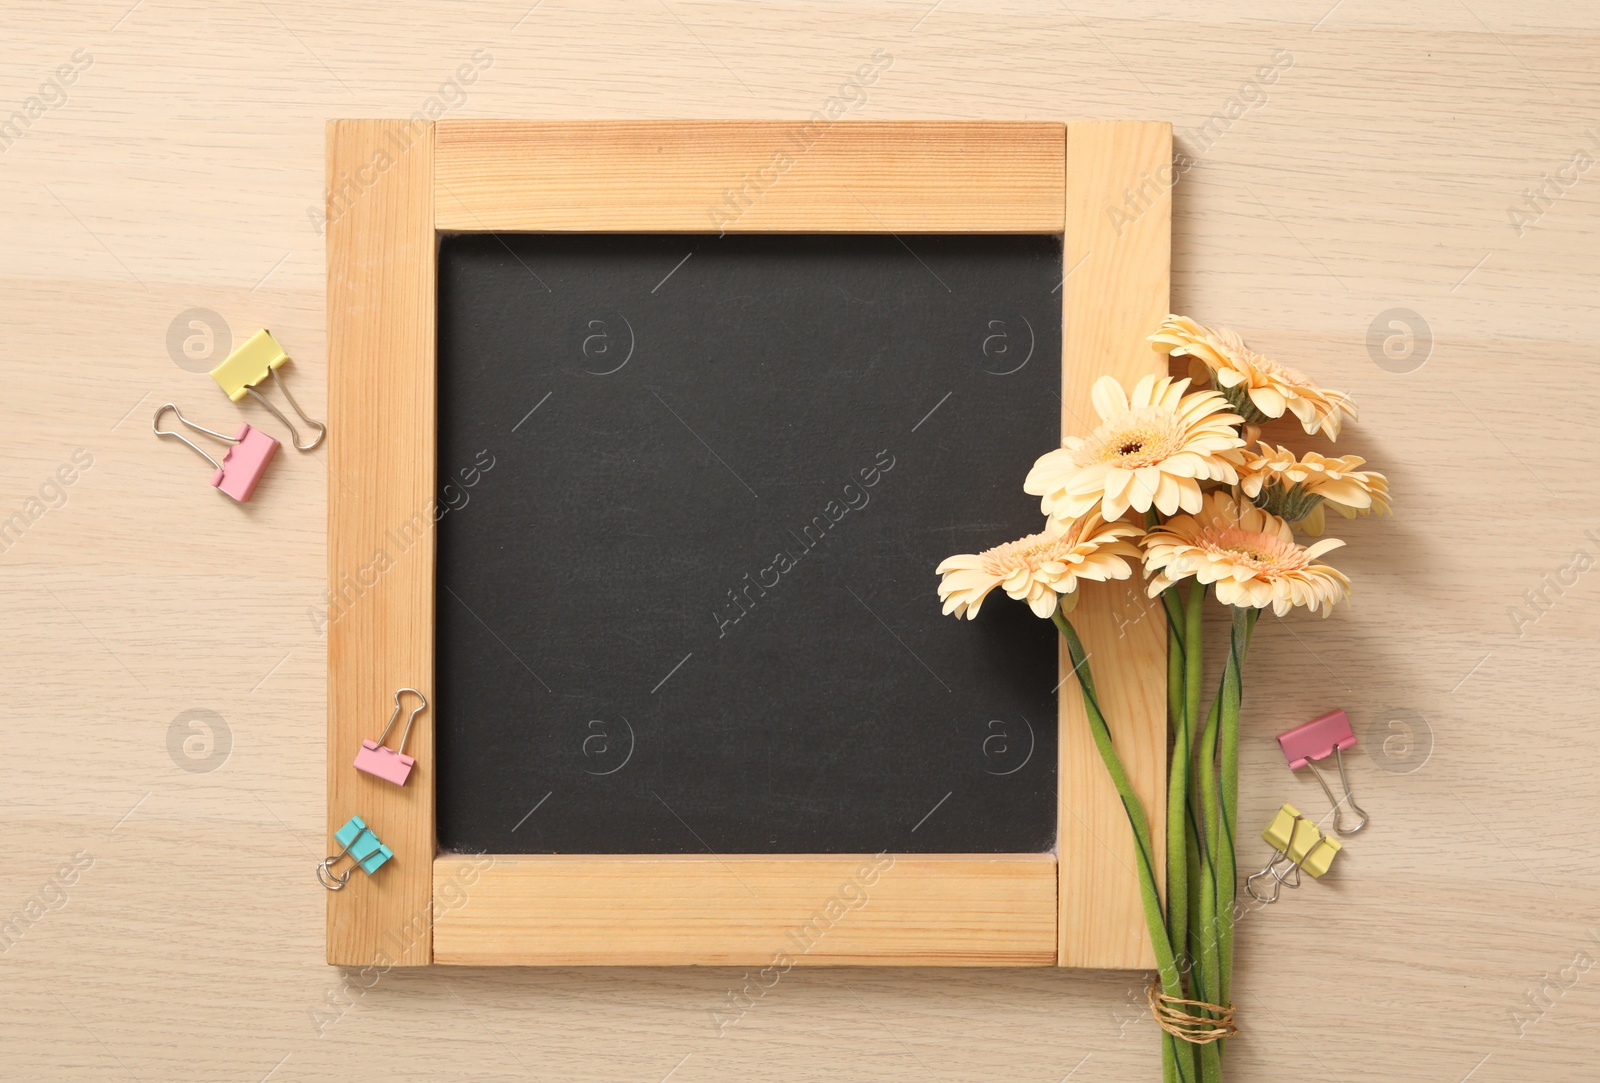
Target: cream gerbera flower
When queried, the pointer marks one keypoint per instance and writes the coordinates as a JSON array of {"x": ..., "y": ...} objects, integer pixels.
[
  {"x": 1257, "y": 387},
  {"x": 1039, "y": 567},
  {"x": 1250, "y": 554},
  {"x": 1298, "y": 488},
  {"x": 1154, "y": 447}
]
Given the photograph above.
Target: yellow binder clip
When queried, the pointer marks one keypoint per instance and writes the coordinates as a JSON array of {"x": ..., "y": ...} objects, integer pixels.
[
  {"x": 254, "y": 361},
  {"x": 1296, "y": 844}
]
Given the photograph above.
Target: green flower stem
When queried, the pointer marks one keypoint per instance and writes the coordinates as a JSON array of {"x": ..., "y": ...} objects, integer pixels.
[
  {"x": 1175, "y": 704},
  {"x": 1177, "y": 794},
  {"x": 1201, "y": 964},
  {"x": 1206, "y": 768},
  {"x": 1195, "y": 928},
  {"x": 1194, "y": 661},
  {"x": 1178, "y": 840},
  {"x": 1177, "y": 1062},
  {"x": 1166, "y": 965},
  {"x": 1200, "y": 855},
  {"x": 1244, "y": 622},
  {"x": 1173, "y": 602},
  {"x": 1193, "y": 653},
  {"x": 1208, "y": 965}
]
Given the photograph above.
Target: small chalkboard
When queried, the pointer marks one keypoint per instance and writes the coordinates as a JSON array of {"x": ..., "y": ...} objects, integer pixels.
[
  {"x": 644, "y": 441},
  {"x": 694, "y": 492}
]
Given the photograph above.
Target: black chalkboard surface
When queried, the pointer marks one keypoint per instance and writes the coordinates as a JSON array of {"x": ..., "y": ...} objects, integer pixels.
[{"x": 694, "y": 491}]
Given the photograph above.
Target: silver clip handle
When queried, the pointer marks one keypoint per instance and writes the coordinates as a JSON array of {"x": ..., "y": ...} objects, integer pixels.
[
  {"x": 331, "y": 880},
  {"x": 1338, "y": 804},
  {"x": 155, "y": 426},
  {"x": 422, "y": 706},
  {"x": 294, "y": 435}
]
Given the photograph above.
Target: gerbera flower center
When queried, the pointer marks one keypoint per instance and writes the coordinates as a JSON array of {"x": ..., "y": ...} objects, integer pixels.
[
  {"x": 1142, "y": 437},
  {"x": 1285, "y": 373},
  {"x": 1266, "y": 554},
  {"x": 1029, "y": 553}
]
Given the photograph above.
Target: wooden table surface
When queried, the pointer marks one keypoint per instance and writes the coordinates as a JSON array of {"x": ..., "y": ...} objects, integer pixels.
[{"x": 161, "y": 782}]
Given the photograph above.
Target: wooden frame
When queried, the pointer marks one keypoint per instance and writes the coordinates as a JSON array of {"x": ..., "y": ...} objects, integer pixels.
[{"x": 392, "y": 186}]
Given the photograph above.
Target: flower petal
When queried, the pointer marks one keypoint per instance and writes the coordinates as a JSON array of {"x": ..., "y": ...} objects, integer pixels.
[{"x": 1108, "y": 398}]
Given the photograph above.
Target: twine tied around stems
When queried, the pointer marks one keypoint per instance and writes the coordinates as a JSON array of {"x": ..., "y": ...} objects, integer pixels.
[{"x": 1172, "y": 1015}]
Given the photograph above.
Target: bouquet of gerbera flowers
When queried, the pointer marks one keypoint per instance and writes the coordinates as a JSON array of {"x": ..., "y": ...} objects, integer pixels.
[{"x": 1169, "y": 479}]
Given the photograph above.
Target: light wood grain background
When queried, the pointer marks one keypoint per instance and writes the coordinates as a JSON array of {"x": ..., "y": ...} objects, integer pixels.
[{"x": 184, "y": 170}]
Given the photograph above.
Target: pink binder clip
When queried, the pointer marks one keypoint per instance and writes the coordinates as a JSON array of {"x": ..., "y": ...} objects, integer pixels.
[
  {"x": 244, "y": 463},
  {"x": 389, "y": 764},
  {"x": 241, "y": 468},
  {"x": 1318, "y": 739}
]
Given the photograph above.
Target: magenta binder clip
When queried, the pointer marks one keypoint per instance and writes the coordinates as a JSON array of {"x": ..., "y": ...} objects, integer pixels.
[
  {"x": 241, "y": 468},
  {"x": 1318, "y": 739},
  {"x": 390, "y": 764}
]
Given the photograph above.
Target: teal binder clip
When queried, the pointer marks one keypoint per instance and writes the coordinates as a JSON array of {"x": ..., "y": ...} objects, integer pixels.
[{"x": 363, "y": 847}]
